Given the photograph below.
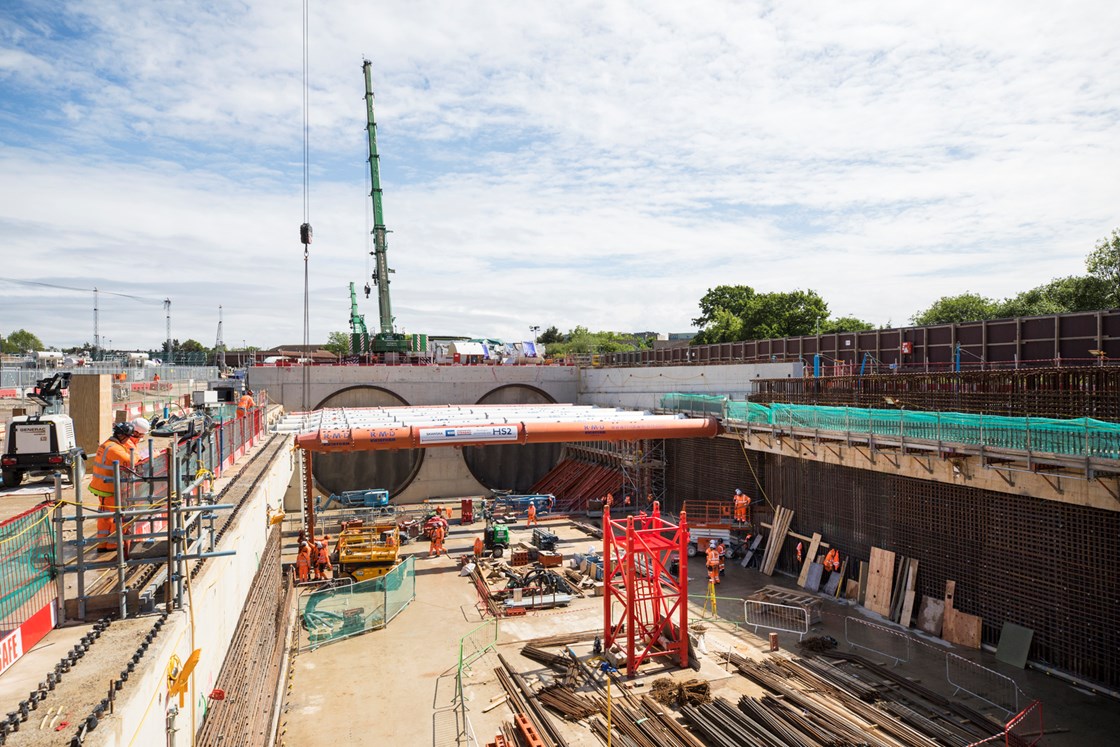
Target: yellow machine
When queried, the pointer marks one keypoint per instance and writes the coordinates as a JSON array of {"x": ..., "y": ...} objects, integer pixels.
[{"x": 370, "y": 550}]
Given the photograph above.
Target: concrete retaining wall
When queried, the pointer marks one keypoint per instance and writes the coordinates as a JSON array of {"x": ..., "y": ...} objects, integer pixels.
[
  {"x": 219, "y": 593},
  {"x": 641, "y": 388}
]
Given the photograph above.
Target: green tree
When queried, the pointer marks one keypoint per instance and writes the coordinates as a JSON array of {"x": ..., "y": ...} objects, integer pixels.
[
  {"x": 760, "y": 315},
  {"x": 21, "y": 341},
  {"x": 1104, "y": 263},
  {"x": 845, "y": 324},
  {"x": 550, "y": 336},
  {"x": 191, "y": 346},
  {"x": 966, "y": 307},
  {"x": 338, "y": 343}
]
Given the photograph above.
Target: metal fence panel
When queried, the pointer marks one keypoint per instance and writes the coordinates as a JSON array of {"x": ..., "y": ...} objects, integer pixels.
[
  {"x": 889, "y": 642},
  {"x": 344, "y": 611},
  {"x": 26, "y": 559},
  {"x": 785, "y": 617},
  {"x": 980, "y": 682}
]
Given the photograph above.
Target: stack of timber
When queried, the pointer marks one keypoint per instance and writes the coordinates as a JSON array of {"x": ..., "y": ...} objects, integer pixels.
[
  {"x": 782, "y": 518},
  {"x": 811, "y": 702}
]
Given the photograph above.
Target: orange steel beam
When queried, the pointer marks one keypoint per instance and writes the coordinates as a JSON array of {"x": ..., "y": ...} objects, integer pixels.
[{"x": 420, "y": 437}]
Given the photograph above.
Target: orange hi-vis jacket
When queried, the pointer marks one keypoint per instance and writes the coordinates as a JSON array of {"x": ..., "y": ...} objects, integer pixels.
[
  {"x": 244, "y": 404},
  {"x": 109, "y": 453},
  {"x": 713, "y": 557}
]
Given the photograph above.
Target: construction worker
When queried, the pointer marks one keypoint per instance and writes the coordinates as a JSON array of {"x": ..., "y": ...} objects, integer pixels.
[
  {"x": 116, "y": 450},
  {"x": 140, "y": 429},
  {"x": 712, "y": 561},
  {"x": 322, "y": 559},
  {"x": 626, "y": 501},
  {"x": 479, "y": 545},
  {"x": 742, "y": 503},
  {"x": 245, "y": 404},
  {"x": 435, "y": 543},
  {"x": 551, "y": 503},
  {"x": 832, "y": 560},
  {"x": 532, "y": 514},
  {"x": 303, "y": 562},
  {"x": 800, "y": 551},
  {"x": 722, "y": 550}
]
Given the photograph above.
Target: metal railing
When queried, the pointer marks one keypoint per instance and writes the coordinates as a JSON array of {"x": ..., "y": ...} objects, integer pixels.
[
  {"x": 983, "y": 683},
  {"x": 12, "y": 377},
  {"x": 889, "y": 642},
  {"x": 343, "y": 612},
  {"x": 1024, "y": 729},
  {"x": 773, "y": 616}
]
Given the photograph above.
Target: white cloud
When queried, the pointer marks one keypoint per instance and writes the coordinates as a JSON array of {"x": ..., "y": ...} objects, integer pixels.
[{"x": 584, "y": 163}]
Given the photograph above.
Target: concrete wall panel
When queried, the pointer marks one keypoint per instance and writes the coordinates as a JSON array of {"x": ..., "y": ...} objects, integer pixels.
[{"x": 641, "y": 388}]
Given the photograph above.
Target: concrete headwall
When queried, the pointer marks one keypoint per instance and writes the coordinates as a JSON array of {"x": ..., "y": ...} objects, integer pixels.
[
  {"x": 640, "y": 388},
  {"x": 416, "y": 385},
  {"x": 219, "y": 593}
]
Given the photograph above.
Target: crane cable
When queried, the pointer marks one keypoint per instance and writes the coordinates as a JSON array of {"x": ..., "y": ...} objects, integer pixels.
[{"x": 306, "y": 218}]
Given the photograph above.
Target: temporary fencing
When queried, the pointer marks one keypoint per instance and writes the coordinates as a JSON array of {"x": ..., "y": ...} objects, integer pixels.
[
  {"x": 773, "y": 616},
  {"x": 889, "y": 642},
  {"x": 344, "y": 611},
  {"x": 981, "y": 682},
  {"x": 1079, "y": 437},
  {"x": 1024, "y": 729},
  {"x": 26, "y": 560}
]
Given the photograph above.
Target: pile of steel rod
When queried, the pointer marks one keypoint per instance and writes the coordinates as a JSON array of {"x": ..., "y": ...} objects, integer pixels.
[{"x": 568, "y": 703}]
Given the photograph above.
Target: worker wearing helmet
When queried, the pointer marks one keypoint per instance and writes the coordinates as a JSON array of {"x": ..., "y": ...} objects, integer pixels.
[
  {"x": 116, "y": 450},
  {"x": 140, "y": 429},
  {"x": 532, "y": 514},
  {"x": 742, "y": 503},
  {"x": 245, "y": 404},
  {"x": 722, "y": 550},
  {"x": 712, "y": 561},
  {"x": 303, "y": 561}
]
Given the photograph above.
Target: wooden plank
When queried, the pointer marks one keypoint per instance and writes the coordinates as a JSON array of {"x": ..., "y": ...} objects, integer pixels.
[
  {"x": 782, "y": 519},
  {"x": 962, "y": 629},
  {"x": 899, "y": 588},
  {"x": 840, "y": 581},
  {"x": 863, "y": 572},
  {"x": 795, "y": 535},
  {"x": 852, "y": 592},
  {"x": 950, "y": 590},
  {"x": 907, "y": 609},
  {"x": 879, "y": 582},
  {"x": 814, "y": 546},
  {"x": 931, "y": 614}
]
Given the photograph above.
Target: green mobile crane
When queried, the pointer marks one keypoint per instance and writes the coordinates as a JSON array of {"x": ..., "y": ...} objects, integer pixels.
[
  {"x": 387, "y": 340},
  {"x": 359, "y": 335}
]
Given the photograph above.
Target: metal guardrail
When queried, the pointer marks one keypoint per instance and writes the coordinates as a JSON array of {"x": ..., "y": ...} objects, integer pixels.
[
  {"x": 12, "y": 377},
  {"x": 983, "y": 683},
  {"x": 773, "y": 616},
  {"x": 879, "y": 639}
]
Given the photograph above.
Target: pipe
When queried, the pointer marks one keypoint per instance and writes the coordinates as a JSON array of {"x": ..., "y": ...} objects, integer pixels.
[{"x": 412, "y": 437}]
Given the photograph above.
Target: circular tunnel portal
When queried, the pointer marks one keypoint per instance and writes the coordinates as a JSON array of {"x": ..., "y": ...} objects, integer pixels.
[
  {"x": 512, "y": 467},
  {"x": 390, "y": 470}
]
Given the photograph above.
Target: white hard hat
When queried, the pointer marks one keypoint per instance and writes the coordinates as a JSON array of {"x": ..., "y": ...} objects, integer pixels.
[
  {"x": 738, "y": 492},
  {"x": 141, "y": 426},
  {"x": 711, "y": 543}
]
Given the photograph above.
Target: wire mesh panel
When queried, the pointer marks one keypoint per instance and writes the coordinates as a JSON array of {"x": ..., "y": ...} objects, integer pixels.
[
  {"x": 26, "y": 560},
  {"x": 351, "y": 609}
]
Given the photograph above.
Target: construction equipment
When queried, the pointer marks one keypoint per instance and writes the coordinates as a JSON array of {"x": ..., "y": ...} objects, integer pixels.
[
  {"x": 387, "y": 340},
  {"x": 359, "y": 335},
  {"x": 43, "y": 442},
  {"x": 372, "y": 498},
  {"x": 495, "y": 538},
  {"x": 366, "y": 551},
  {"x": 712, "y": 520}
]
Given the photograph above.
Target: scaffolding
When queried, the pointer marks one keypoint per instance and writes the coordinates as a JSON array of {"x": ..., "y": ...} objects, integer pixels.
[
  {"x": 637, "y": 552},
  {"x": 641, "y": 465}
]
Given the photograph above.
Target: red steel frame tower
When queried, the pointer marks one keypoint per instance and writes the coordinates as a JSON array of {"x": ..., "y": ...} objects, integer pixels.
[{"x": 636, "y": 556}]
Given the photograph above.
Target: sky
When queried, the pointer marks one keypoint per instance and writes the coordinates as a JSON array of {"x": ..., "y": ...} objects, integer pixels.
[{"x": 600, "y": 164}]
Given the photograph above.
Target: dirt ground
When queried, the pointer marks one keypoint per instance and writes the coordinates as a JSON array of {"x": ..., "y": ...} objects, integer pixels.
[{"x": 397, "y": 685}]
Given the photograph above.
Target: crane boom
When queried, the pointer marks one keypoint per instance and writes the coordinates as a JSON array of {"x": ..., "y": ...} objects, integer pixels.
[{"x": 380, "y": 245}]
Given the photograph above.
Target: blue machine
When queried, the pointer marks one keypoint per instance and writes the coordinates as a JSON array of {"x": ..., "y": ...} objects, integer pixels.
[
  {"x": 373, "y": 498},
  {"x": 520, "y": 503}
]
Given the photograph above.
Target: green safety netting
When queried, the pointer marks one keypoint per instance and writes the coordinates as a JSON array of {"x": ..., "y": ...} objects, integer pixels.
[
  {"x": 344, "y": 611},
  {"x": 26, "y": 560},
  {"x": 1081, "y": 436}
]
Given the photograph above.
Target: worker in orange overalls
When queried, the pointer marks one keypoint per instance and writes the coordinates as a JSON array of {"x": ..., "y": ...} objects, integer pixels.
[
  {"x": 478, "y": 547},
  {"x": 712, "y": 561},
  {"x": 742, "y": 503},
  {"x": 303, "y": 562},
  {"x": 722, "y": 550},
  {"x": 832, "y": 560},
  {"x": 608, "y": 500},
  {"x": 322, "y": 559},
  {"x": 245, "y": 404},
  {"x": 114, "y": 451},
  {"x": 435, "y": 545},
  {"x": 532, "y": 514}
]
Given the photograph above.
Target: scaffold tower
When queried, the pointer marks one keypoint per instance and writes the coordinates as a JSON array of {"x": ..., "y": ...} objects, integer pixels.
[{"x": 645, "y": 607}]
